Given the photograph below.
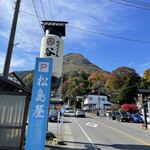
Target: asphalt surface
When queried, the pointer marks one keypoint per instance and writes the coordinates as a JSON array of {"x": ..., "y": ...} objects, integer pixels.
[{"x": 98, "y": 133}]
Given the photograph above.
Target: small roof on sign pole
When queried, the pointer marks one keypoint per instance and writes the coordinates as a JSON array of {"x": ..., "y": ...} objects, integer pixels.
[{"x": 54, "y": 25}]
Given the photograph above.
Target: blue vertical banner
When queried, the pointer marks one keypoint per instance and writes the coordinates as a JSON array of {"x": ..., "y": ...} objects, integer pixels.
[{"x": 36, "y": 132}]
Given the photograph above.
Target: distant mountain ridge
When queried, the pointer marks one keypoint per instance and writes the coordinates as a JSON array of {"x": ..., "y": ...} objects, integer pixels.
[
  {"x": 76, "y": 62},
  {"x": 73, "y": 62}
]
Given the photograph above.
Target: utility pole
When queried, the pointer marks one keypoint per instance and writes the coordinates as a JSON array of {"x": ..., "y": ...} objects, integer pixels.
[
  {"x": 98, "y": 102},
  {"x": 61, "y": 86},
  {"x": 11, "y": 40}
]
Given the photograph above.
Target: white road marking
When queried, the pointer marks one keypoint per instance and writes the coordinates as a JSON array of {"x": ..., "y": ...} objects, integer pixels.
[
  {"x": 91, "y": 124},
  {"x": 86, "y": 135}
]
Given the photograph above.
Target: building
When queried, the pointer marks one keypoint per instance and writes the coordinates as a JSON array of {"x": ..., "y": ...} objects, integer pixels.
[
  {"x": 94, "y": 101},
  {"x": 143, "y": 97},
  {"x": 54, "y": 100},
  {"x": 14, "y": 105},
  {"x": 13, "y": 77}
]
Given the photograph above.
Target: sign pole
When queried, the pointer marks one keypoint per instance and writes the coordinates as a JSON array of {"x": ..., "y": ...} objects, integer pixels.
[
  {"x": 58, "y": 122},
  {"x": 62, "y": 119},
  {"x": 62, "y": 110}
]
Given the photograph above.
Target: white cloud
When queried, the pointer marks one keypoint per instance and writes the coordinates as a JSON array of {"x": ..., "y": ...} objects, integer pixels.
[
  {"x": 145, "y": 65},
  {"x": 99, "y": 16}
]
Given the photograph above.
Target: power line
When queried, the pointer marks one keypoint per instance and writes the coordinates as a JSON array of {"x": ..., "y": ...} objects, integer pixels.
[
  {"x": 30, "y": 14},
  {"x": 49, "y": 4},
  {"x": 137, "y": 3},
  {"x": 103, "y": 34},
  {"x": 129, "y": 5},
  {"x": 132, "y": 86},
  {"x": 28, "y": 31},
  {"x": 112, "y": 36},
  {"x": 42, "y": 9},
  {"x": 37, "y": 15},
  {"x": 146, "y": 3}
]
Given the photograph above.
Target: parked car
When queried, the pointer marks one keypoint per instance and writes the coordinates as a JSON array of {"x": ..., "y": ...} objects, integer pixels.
[
  {"x": 107, "y": 113},
  {"x": 122, "y": 117},
  {"x": 69, "y": 110},
  {"x": 112, "y": 115},
  {"x": 80, "y": 112},
  {"x": 53, "y": 115},
  {"x": 136, "y": 118}
]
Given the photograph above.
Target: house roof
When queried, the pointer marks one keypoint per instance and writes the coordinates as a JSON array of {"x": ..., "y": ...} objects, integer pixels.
[
  {"x": 79, "y": 97},
  {"x": 12, "y": 76},
  {"x": 8, "y": 85},
  {"x": 146, "y": 91}
]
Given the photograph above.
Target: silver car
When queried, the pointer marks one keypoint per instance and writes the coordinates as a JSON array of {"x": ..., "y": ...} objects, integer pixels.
[{"x": 80, "y": 112}]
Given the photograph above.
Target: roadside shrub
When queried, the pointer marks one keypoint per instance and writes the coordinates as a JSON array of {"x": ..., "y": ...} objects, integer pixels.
[{"x": 131, "y": 108}]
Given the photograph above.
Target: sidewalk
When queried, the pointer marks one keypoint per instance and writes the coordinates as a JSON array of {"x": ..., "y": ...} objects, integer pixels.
[{"x": 66, "y": 136}]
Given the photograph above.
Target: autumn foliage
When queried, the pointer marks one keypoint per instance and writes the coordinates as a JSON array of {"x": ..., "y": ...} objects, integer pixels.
[
  {"x": 131, "y": 108},
  {"x": 97, "y": 77},
  {"x": 146, "y": 75},
  {"x": 118, "y": 77}
]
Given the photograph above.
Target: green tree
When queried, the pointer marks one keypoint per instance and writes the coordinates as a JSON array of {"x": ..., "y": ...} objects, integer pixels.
[
  {"x": 84, "y": 75},
  {"x": 28, "y": 80},
  {"x": 127, "y": 93}
]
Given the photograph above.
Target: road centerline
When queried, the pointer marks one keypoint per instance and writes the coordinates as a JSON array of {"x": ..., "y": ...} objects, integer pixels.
[
  {"x": 85, "y": 134},
  {"x": 121, "y": 132}
]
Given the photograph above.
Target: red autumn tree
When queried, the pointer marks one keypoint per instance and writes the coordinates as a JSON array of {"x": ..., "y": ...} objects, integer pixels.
[{"x": 131, "y": 108}]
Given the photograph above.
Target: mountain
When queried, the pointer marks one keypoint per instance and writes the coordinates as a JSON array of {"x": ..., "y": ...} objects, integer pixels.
[
  {"x": 72, "y": 62},
  {"x": 22, "y": 74},
  {"x": 76, "y": 62}
]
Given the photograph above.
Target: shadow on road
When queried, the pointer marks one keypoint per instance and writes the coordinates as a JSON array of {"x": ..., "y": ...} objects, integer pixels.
[
  {"x": 67, "y": 122},
  {"x": 89, "y": 146}
]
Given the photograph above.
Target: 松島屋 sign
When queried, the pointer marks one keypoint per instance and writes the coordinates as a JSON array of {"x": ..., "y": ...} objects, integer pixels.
[
  {"x": 52, "y": 47},
  {"x": 35, "y": 139}
]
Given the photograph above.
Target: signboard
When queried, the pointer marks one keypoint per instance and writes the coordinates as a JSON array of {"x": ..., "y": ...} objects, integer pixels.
[
  {"x": 59, "y": 107},
  {"x": 63, "y": 110},
  {"x": 52, "y": 47},
  {"x": 36, "y": 131}
]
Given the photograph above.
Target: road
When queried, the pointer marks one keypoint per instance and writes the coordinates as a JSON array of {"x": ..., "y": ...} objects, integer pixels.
[{"x": 98, "y": 133}]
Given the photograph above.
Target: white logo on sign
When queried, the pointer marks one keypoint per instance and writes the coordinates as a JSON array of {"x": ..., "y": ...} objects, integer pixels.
[
  {"x": 39, "y": 111},
  {"x": 40, "y": 96},
  {"x": 43, "y": 67},
  {"x": 42, "y": 81}
]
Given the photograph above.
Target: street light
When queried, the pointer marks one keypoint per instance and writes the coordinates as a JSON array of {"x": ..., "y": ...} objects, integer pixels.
[{"x": 16, "y": 44}]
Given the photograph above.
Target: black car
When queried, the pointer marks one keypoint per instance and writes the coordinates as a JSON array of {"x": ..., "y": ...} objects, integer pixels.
[
  {"x": 53, "y": 115},
  {"x": 122, "y": 116},
  {"x": 112, "y": 115}
]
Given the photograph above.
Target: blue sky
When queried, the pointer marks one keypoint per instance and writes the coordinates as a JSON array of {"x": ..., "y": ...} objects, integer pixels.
[{"x": 102, "y": 16}]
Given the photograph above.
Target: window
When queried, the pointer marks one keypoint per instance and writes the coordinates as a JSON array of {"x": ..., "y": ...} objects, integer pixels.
[
  {"x": 103, "y": 99},
  {"x": 90, "y": 98}
]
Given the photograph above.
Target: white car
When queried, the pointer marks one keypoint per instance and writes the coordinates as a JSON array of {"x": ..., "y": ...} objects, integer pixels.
[
  {"x": 69, "y": 110},
  {"x": 80, "y": 112}
]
